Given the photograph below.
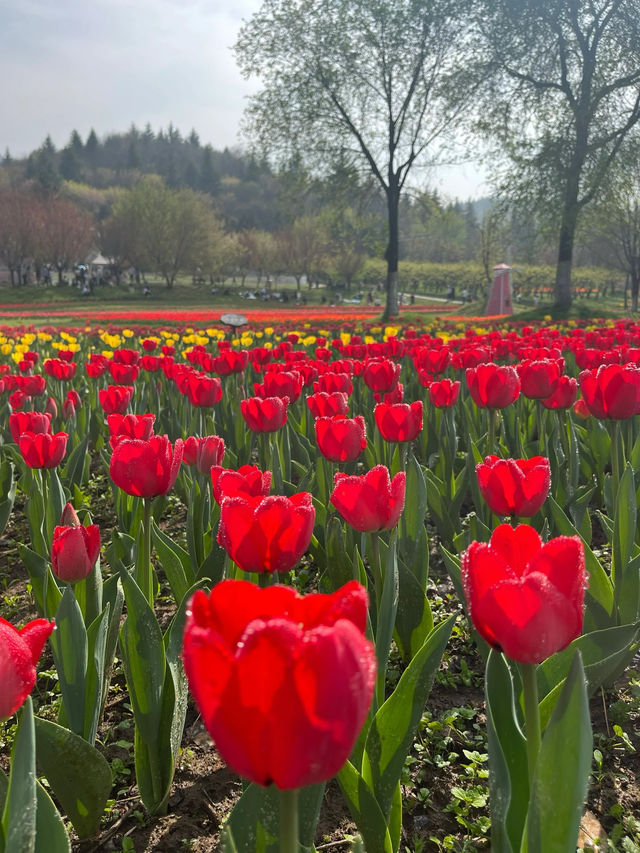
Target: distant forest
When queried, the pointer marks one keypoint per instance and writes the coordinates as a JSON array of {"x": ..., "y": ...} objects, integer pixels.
[
  {"x": 225, "y": 213},
  {"x": 245, "y": 193}
]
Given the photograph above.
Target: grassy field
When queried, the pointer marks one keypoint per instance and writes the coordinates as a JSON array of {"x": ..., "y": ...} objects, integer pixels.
[{"x": 32, "y": 303}]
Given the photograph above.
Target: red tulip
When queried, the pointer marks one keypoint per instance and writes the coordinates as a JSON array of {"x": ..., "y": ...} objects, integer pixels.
[
  {"x": 525, "y": 598},
  {"x": 203, "y": 390},
  {"x": 230, "y": 361},
  {"x": 611, "y": 391},
  {"x": 43, "y": 450},
  {"x": 59, "y": 369},
  {"x": 444, "y": 393},
  {"x": 20, "y": 422},
  {"x": 330, "y": 382},
  {"x": 373, "y": 501},
  {"x": 280, "y": 383},
  {"x": 19, "y": 653},
  {"x": 203, "y": 452},
  {"x": 18, "y": 399},
  {"x": 493, "y": 386},
  {"x": 126, "y": 356},
  {"x": 123, "y": 374},
  {"x": 74, "y": 397},
  {"x": 33, "y": 386},
  {"x": 146, "y": 468},
  {"x": 96, "y": 366},
  {"x": 538, "y": 378},
  {"x": 432, "y": 360},
  {"x": 381, "y": 374},
  {"x": 399, "y": 421},
  {"x": 514, "y": 486},
  {"x": 396, "y": 395},
  {"x": 341, "y": 439},
  {"x": 151, "y": 363},
  {"x": 75, "y": 548},
  {"x": 283, "y": 682},
  {"x": 264, "y": 414},
  {"x": 129, "y": 426},
  {"x": 563, "y": 393},
  {"x": 323, "y": 405},
  {"x": 115, "y": 399},
  {"x": 248, "y": 480},
  {"x": 267, "y": 534}
]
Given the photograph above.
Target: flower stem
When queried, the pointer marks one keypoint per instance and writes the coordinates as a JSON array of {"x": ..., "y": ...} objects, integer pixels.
[
  {"x": 615, "y": 459},
  {"x": 531, "y": 716},
  {"x": 493, "y": 423},
  {"x": 289, "y": 821},
  {"x": 145, "y": 575},
  {"x": 376, "y": 568},
  {"x": 540, "y": 426}
]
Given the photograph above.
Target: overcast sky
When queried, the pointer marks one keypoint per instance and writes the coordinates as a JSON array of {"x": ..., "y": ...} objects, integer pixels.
[{"x": 103, "y": 64}]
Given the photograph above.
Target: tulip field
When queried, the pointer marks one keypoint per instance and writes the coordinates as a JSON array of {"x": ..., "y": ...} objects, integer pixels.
[{"x": 320, "y": 584}]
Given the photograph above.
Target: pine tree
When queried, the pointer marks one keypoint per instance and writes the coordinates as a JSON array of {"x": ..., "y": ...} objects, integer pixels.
[{"x": 209, "y": 179}]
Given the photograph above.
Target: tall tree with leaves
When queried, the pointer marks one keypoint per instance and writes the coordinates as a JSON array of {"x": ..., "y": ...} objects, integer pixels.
[
  {"x": 615, "y": 220},
  {"x": 369, "y": 79},
  {"x": 564, "y": 94}
]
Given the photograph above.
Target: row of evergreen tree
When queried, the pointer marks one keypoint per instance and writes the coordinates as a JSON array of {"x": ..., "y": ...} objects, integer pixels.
[{"x": 117, "y": 158}]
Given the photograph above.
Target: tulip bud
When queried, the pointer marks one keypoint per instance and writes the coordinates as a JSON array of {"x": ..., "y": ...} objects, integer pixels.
[
  {"x": 75, "y": 548},
  {"x": 68, "y": 409},
  {"x": 69, "y": 517},
  {"x": 51, "y": 407},
  {"x": 580, "y": 409}
]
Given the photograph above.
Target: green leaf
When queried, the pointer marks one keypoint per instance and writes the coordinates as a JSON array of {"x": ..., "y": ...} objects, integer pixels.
[
  {"x": 72, "y": 473},
  {"x": 452, "y": 565},
  {"x": 605, "y": 653},
  {"x": 562, "y": 771},
  {"x": 629, "y": 598},
  {"x": 365, "y": 810},
  {"x": 624, "y": 523},
  {"x": 339, "y": 562},
  {"x": 394, "y": 726},
  {"x": 56, "y": 500},
  {"x": 19, "y": 814},
  {"x": 175, "y": 562},
  {"x": 414, "y": 621},
  {"x": 43, "y": 583},
  {"x": 113, "y": 596},
  {"x": 96, "y": 649},
  {"x": 386, "y": 618},
  {"x": 143, "y": 659},
  {"x": 79, "y": 775},
  {"x": 254, "y": 822},
  {"x": 69, "y": 645},
  {"x": 415, "y": 505},
  {"x": 508, "y": 782},
  {"x": 600, "y": 587},
  {"x": 51, "y": 834},
  {"x": 7, "y": 492}
]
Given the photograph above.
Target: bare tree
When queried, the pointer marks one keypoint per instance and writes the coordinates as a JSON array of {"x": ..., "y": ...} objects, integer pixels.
[
  {"x": 370, "y": 80},
  {"x": 564, "y": 94}
]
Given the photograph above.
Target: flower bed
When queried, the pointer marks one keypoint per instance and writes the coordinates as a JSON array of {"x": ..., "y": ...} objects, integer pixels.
[{"x": 334, "y": 536}]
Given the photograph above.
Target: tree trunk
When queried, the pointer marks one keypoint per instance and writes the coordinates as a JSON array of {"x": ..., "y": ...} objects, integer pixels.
[
  {"x": 635, "y": 287},
  {"x": 392, "y": 253},
  {"x": 568, "y": 223}
]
